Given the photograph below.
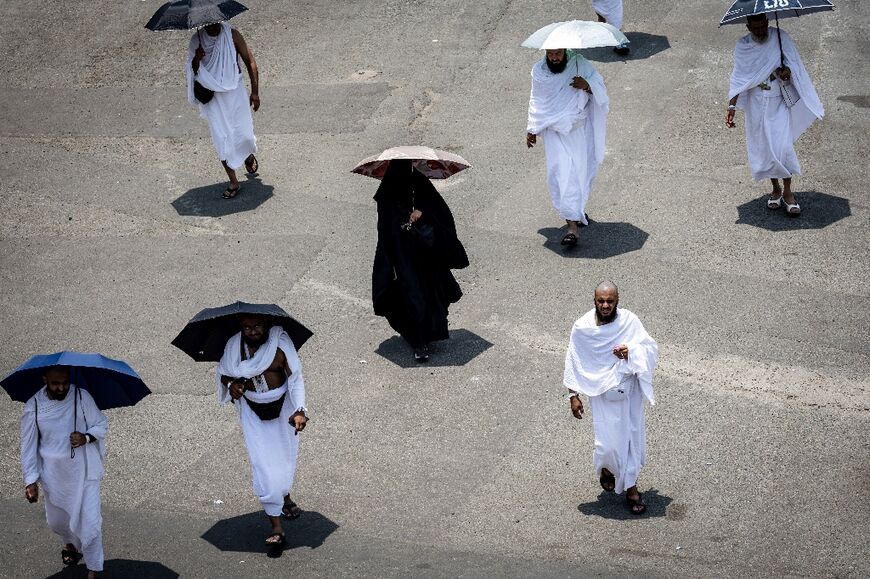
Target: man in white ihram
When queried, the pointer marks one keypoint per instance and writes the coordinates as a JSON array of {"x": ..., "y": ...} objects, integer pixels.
[
  {"x": 56, "y": 418},
  {"x": 611, "y": 359},
  {"x": 610, "y": 11},
  {"x": 568, "y": 107},
  {"x": 772, "y": 126},
  {"x": 213, "y": 63},
  {"x": 261, "y": 374}
]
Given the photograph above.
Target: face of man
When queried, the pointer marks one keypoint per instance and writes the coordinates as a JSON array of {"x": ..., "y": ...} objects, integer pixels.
[
  {"x": 557, "y": 60},
  {"x": 757, "y": 28},
  {"x": 254, "y": 329},
  {"x": 56, "y": 382},
  {"x": 213, "y": 29},
  {"x": 606, "y": 301}
]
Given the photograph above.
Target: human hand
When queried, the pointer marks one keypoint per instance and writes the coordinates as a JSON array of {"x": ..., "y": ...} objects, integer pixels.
[
  {"x": 577, "y": 407},
  {"x": 580, "y": 83},
  {"x": 31, "y": 493},
  {"x": 255, "y": 101},
  {"x": 199, "y": 54},
  {"x": 729, "y": 119},
  {"x": 784, "y": 73},
  {"x": 621, "y": 352},
  {"x": 299, "y": 420},
  {"x": 531, "y": 140},
  {"x": 415, "y": 215},
  {"x": 77, "y": 439},
  {"x": 237, "y": 388}
]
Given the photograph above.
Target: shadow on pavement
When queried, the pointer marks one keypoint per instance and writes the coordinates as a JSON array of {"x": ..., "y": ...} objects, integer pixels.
[
  {"x": 207, "y": 201},
  {"x": 642, "y": 45},
  {"x": 122, "y": 568},
  {"x": 613, "y": 506},
  {"x": 247, "y": 533},
  {"x": 818, "y": 210},
  {"x": 598, "y": 240},
  {"x": 462, "y": 347}
]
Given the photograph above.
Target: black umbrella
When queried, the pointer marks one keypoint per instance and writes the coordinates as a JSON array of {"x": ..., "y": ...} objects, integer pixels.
[
  {"x": 781, "y": 8},
  {"x": 785, "y": 8},
  {"x": 188, "y": 14},
  {"x": 205, "y": 336}
]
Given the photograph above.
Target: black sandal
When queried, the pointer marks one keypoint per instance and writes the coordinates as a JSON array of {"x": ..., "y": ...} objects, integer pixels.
[
  {"x": 607, "y": 481},
  {"x": 253, "y": 166},
  {"x": 288, "y": 512},
  {"x": 231, "y": 192},
  {"x": 569, "y": 239},
  {"x": 275, "y": 548},
  {"x": 70, "y": 557},
  {"x": 636, "y": 506}
]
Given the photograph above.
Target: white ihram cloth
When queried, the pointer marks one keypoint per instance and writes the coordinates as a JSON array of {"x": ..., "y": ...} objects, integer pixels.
[
  {"x": 70, "y": 486},
  {"x": 610, "y": 9},
  {"x": 273, "y": 444},
  {"x": 229, "y": 112},
  {"x": 573, "y": 125},
  {"x": 772, "y": 127},
  {"x": 616, "y": 389}
]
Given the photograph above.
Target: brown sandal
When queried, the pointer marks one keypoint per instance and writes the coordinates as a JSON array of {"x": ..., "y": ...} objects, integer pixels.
[{"x": 636, "y": 506}]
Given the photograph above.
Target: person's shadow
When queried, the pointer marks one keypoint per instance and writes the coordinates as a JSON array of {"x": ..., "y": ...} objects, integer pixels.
[
  {"x": 121, "y": 568},
  {"x": 208, "y": 201},
  {"x": 247, "y": 533},
  {"x": 642, "y": 45},
  {"x": 598, "y": 240},
  {"x": 613, "y": 506},
  {"x": 818, "y": 210},
  {"x": 462, "y": 347}
]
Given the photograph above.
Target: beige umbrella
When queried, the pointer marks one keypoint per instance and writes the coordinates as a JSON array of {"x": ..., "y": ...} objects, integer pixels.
[{"x": 433, "y": 163}]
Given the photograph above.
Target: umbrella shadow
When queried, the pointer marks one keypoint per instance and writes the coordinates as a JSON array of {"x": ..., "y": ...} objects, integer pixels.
[
  {"x": 247, "y": 533},
  {"x": 122, "y": 568},
  {"x": 208, "y": 201},
  {"x": 598, "y": 240},
  {"x": 613, "y": 506},
  {"x": 642, "y": 44},
  {"x": 462, "y": 347},
  {"x": 818, "y": 210}
]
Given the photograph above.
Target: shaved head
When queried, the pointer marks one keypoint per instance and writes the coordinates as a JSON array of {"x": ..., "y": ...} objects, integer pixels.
[
  {"x": 56, "y": 380},
  {"x": 606, "y": 286},
  {"x": 606, "y": 299}
]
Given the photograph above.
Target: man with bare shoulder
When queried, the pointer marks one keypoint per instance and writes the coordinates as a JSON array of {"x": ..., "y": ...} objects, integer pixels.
[{"x": 260, "y": 373}]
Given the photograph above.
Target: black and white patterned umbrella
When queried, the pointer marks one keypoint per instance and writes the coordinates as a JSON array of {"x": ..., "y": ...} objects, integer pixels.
[
  {"x": 189, "y": 14},
  {"x": 780, "y": 8}
]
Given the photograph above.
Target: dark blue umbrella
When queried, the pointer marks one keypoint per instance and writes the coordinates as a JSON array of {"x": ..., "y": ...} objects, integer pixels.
[
  {"x": 781, "y": 8},
  {"x": 785, "y": 8},
  {"x": 188, "y": 14},
  {"x": 111, "y": 383},
  {"x": 205, "y": 336}
]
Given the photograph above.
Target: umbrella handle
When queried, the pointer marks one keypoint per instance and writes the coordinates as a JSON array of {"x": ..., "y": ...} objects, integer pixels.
[
  {"x": 72, "y": 450},
  {"x": 779, "y": 36}
]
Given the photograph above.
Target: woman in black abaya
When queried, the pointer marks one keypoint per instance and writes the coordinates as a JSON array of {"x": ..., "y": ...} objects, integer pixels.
[{"x": 417, "y": 247}]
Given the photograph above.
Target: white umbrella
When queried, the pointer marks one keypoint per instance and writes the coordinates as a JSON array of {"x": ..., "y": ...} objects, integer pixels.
[
  {"x": 433, "y": 163},
  {"x": 575, "y": 34}
]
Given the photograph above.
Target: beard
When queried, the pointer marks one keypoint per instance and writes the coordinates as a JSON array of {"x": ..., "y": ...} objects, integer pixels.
[
  {"x": 256, "y": 343},
  {"x": 557, "y": 68},
  {"x": 606, "y": 319},
  {"x": 759, "y": 38}
]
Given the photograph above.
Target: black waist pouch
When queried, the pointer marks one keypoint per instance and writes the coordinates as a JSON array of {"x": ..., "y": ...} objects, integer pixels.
[{"x": 267, "y": 410}]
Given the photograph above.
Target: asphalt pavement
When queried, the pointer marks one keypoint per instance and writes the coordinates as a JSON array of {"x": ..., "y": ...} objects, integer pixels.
[{"x": 113, "y": 234}]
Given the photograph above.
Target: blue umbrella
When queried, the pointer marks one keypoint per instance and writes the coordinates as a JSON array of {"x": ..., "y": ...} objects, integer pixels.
[{"x": 111, "y": 383}]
